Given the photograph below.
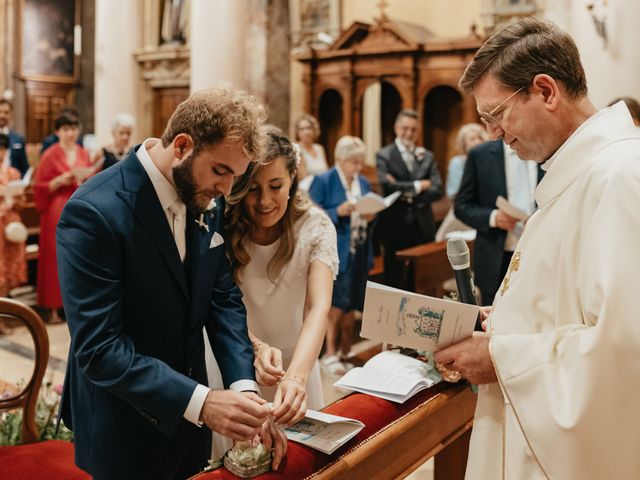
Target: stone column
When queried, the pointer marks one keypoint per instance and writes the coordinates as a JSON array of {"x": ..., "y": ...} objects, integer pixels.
[
  {"x": 217, "y": 38},
  {"x": 118, "y": 34}
]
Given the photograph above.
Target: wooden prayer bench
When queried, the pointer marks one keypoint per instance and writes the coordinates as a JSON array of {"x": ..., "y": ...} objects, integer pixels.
[
  {"x": 428, "y": 267},
  {"x": 396, "y": 440},
  {"x": 34, "y": 460}
]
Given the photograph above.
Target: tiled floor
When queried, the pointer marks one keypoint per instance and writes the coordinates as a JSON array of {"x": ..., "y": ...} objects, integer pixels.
[{"x": 16, "y": 365}]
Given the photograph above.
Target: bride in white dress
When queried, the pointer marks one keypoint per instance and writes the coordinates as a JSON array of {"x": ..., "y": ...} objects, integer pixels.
[{"x": 284, "y": 251}]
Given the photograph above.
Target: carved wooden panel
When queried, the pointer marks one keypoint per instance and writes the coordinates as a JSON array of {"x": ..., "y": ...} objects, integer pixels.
[
  {"x": 165, "y": 101},
  {"x": 44, "y": 101}
]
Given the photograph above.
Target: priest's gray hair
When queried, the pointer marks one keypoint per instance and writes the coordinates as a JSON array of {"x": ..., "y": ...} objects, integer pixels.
[{"x": 123, "y": 120}]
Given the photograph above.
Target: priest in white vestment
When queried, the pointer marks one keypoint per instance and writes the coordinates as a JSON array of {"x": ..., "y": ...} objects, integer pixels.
[{"x": 559, "y": 364}]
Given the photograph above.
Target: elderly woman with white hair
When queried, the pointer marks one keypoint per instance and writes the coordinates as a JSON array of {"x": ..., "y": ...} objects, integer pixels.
[
  {"x": 121, "y": 130},
  {"x": 337, "y": 192}
]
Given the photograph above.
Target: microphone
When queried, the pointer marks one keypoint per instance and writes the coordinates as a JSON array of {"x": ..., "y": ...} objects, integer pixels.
[{"x": 460, "y": 260}]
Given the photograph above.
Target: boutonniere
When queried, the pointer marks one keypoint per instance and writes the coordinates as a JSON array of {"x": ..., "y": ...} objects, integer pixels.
[
  {"x": 209, "y": 210},
  {"x": 420, "y": 152}
]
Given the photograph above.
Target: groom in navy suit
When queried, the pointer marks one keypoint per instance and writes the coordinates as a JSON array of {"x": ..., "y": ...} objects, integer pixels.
[{"x": 142, "y": 269}]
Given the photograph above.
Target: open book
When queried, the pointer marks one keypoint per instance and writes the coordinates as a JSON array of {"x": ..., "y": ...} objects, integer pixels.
[
  {"x": 323, "y": 431},
  {"x": 374, "y": 203},
  {"x": 16, "y": 187},
  {"x": 416, "y": 321},
  {"x": 388, "y": 375}
]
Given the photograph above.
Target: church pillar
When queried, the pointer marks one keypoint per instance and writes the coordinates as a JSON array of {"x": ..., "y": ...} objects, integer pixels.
[
  {"x": 217, "y": 38},
  {"x": 116, "y": 72}
]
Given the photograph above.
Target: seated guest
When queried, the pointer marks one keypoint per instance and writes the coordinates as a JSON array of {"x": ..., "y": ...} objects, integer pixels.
[
  {"x": 337, "y": 192},
  {"x": 15, "y": 155},
  {"x": 53, "y": 138},
  {"x": 55, "y": 181},
  {"x": 469, "y": 135},
  {"x": 314, "y": 161},
  {"x": 283, "y": 251},
  {"x": 13, "y": 261},
  {"x": 121, "y": 131}
]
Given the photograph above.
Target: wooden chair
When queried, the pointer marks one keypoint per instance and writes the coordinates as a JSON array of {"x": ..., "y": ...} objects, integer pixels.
[{"x": 33, "y": 460}]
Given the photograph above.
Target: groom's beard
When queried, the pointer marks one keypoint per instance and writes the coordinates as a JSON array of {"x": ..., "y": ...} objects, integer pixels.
[{"x": 186, "y": 185}]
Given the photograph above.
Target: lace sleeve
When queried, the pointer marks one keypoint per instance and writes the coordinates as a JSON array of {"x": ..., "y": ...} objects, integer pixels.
[{"x": 323, "y": 240}]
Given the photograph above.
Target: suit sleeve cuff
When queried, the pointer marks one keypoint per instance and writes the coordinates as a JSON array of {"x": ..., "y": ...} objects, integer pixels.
[
  {"x": 492, "y": 218},
  {"x": 417, "y": 186},
  {"x": 192, "y": 413},
  {"x": 245, "y": 386}
]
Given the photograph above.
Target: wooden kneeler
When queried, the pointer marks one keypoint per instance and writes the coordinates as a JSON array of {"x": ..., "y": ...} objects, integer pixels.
[{"x": 52, "y": 459}]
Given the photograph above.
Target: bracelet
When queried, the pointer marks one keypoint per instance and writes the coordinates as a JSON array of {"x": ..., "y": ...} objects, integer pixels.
[{"x": 293, "y": 378}]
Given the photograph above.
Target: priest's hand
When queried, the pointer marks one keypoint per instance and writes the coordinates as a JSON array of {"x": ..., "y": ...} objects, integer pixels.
[
  {"x": 290, "y": 401},
  {"x": 268, "y": 365},
  {"x": 271, "y": 437},
  {"x": 470, "y": 357},
  {"x": 485, "y": 313},
  {"x": 505, "y": 222},
  {"x": 237, "y": 415}
]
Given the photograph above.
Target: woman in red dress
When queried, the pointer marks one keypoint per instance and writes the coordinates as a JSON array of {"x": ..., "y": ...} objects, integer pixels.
[
  {"x": 13, "y": 259},
  {"x": 62, "y": 167}
]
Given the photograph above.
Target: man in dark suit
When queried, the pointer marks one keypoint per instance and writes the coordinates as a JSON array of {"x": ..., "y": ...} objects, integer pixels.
[
  {"x": 142, "y": 269},
  {"x": 493, "y": 169},
  {"x": 413, "y": 171},
  {"x": 17, "y": 153}
]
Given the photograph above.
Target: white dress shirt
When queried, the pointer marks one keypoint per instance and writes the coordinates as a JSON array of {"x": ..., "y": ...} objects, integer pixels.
[
  {"x": 511, "y": 160},
  {"x": 167, "y": 196},
  {"x": 409, "y": 160}
]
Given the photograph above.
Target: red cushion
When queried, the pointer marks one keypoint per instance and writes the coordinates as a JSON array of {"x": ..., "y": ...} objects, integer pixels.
[
  {"x": 375, "y": 413},
  {"x": 52, "y": 459}
]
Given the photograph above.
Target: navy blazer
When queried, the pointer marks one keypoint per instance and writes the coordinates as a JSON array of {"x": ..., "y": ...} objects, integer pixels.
[
  {"x": 484, "y": 179},
  {"x": 327, "y": 191},
  {"x": 136, "y": 313},
  {"x": 389, "y": 162},
  {"x": 17, "y": 152}
]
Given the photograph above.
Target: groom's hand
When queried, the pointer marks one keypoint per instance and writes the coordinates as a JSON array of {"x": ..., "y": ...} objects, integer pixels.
[
  {"x": 236, "y": 415},
  {"x": 271, "y": 437}
]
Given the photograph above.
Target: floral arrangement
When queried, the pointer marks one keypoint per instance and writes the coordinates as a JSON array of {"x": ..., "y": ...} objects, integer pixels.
[{"x": 46, "y": 419}]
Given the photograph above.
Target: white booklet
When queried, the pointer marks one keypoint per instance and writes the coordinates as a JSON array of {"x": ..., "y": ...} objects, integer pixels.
[
  {"x": 510, "y": 209},
  {"x": 13, "y": 188},
  {"x": 374, "y": 203},
  {"x": 389, "y": 375},
  {"x": 323, "y": 431},
  {"x": 416, "y": 321},
  {"x": 82, "y": 173}
]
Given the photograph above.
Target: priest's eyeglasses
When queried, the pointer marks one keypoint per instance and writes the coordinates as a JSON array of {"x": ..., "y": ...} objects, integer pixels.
[{"x": 494, "y": 117}]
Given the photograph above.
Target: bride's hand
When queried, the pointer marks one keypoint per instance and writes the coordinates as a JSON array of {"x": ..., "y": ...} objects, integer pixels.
[
  {"x": 289, "y": 402},
  {"x": 268, "y": 365}
]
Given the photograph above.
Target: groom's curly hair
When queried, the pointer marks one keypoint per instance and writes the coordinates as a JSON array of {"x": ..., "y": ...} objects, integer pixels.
[{"x": 221, "y": 113}]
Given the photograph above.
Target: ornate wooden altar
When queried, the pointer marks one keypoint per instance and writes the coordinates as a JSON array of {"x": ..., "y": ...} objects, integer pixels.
[{"x": 416, "y": 69}]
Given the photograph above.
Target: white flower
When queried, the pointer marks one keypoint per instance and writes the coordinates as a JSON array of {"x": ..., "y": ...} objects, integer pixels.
[
  {"x": 212, "y": 205},
  {"x": 420, "y": 152}
]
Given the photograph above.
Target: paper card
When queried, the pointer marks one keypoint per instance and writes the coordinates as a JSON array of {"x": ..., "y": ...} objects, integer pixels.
[
  {"x": 415, "y": 321},
  {"x": 82, "y": 173},
  {"x": 510, "y": 209}
]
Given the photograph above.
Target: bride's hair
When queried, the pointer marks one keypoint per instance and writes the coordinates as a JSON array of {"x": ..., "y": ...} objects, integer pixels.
[{"x": 276, "y": 146}]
